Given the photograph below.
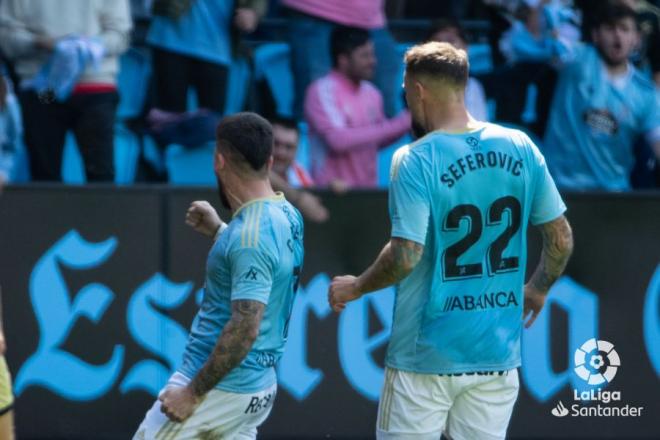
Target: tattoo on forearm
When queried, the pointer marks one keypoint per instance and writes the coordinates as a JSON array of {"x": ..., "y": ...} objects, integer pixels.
[
  {"x": 395, "y": 262},
  {"x": 233, "y": 345},
  {"x": 557, "y": 249}
]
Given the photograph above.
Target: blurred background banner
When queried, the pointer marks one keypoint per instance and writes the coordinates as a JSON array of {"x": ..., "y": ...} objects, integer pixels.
[{"x": 100, "y": 286}]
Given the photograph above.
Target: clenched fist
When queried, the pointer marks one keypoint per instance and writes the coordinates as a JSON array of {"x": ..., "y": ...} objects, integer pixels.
[
  {"x": 178, "y": 403},
  {"x": 203, "y": 218},
  {"x": 342, "y": 290}
]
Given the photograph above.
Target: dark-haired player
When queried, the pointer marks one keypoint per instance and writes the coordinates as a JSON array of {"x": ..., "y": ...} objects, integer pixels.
[{"x": 226, "y": 384}]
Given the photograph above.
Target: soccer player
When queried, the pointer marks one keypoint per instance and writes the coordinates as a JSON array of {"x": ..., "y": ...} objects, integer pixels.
[
  {"x": 460, "y": 199},
  {"x": 6, "y": 396},
  {"x": 226, "y": 385}
]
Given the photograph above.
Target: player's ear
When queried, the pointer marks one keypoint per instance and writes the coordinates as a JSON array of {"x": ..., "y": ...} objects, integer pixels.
[
  {"x": 420, "y": 89},
  {"x": 269, "y": 164},
  {"x": 219, "y": 161}
]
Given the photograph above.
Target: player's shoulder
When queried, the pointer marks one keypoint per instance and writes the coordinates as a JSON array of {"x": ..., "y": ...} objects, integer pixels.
[
  {"x": 284, "y": 216},
  {"x": 408, "y": 155},
  {"x": 516, "y": 136},
  {"x": 420, "y": 146},
  {"x": 517, "y": 141},
  {"x": 254, "y": 224}
]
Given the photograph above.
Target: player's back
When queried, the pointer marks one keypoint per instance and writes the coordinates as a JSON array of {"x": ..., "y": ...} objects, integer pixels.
[
  {"x": 461, "y": 308},
  {"x": 258, "y": 258}
]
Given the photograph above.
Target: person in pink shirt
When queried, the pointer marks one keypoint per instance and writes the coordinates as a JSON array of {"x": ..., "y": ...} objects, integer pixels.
[
  {"x": 347, "y": 123},
  {"x": 308, "y": 32}
]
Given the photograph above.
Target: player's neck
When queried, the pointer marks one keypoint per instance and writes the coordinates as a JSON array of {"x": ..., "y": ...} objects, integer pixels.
[
  {"x": 452, "y": 120},
  {"x": 246, "y": 191}
]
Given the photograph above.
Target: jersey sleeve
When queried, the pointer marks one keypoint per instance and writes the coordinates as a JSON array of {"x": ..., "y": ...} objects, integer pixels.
[
  {"x": 409, "y": 199},
  {"x": 547, "y": 203},
  {"x": 252, "y": 272}
]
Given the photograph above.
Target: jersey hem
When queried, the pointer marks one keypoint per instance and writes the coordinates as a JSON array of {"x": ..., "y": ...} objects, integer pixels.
[
  {"x": 231, "y": 389},
  {"x": 458, "y": 370},
  {"x": 261, "y": 299},
  {"x": 242, "y": 390}
]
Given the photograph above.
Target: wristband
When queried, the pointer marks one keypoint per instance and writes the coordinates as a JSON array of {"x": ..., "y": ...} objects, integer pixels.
[{"x": 220, "y": 230}]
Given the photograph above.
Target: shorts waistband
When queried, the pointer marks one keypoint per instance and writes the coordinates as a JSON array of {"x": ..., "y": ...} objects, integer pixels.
[{"x": 478, "y": 373}]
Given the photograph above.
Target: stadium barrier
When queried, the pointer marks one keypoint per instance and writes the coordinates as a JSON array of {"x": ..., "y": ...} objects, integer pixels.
[{"x": 100, "y": 286}]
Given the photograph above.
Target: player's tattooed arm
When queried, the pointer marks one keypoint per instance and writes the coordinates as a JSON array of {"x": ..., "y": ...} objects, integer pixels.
[
  {"x": 395, "y": 262},
  {"x": 233, "y": 345},
  {"x": 557, "y": 249}
]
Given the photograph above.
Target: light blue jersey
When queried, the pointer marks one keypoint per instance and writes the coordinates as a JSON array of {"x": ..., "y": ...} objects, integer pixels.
[
  {"x": 468, "y": 198},
  {"x": 593, "y": 124},
  {"x": 202, "y": 32},
  {"x": 258, "y": 257}
]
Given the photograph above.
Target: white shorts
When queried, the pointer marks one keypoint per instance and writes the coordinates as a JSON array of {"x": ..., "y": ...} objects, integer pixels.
[
  {"x": 463, "y": 407},
  {"x": 220, "y": 415}
]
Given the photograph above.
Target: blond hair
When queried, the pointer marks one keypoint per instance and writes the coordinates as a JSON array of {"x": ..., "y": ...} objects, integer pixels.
[{"x": 438, "y": 61}]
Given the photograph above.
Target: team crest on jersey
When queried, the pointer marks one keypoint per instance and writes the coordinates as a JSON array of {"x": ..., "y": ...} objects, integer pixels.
[
  {"x": 601, "y": 121},
  {"x": 473, "y": 142}
]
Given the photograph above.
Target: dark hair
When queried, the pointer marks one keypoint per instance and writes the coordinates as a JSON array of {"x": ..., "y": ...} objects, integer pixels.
[
  {"x": 443, "y": 24},
  {"x": 612, "y": 11},
  {"x": 440, "y": 61},
  {"x": 345, "y": 39},
  {"x": 285, "y": 122},
  {"x": 247, "y": 138}
]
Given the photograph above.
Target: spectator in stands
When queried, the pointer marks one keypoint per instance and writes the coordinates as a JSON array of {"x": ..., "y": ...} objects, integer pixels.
[
  {"x": 499, "y": 13},
  {"x": 193, "y": 45},
  {"x": 545, "y": 32},
  {"x": 648, "y": 18},
  {"x": 285, "y": 148},
  {"x": 542, "y": 34},
  {"x": 288, "y": 176},
  {"x": 601, "y": 105},
  {"x": 310, "y": 24},
  {"x": 66, "y": 55},
  {"x": 347, "y": 123},
  {"x": 451, "y": 31},
  {"x": 10, "y": 129}
]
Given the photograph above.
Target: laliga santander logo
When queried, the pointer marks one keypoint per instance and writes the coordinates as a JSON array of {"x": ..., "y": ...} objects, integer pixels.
[{"x": 596, "y": 362}]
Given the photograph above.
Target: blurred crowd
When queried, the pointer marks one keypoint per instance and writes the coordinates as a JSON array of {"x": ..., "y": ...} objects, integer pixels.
[{"x": 581, "y": 77}]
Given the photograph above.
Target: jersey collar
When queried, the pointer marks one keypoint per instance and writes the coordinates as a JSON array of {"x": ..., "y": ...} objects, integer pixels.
[{"x": 279, "y": 196}]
